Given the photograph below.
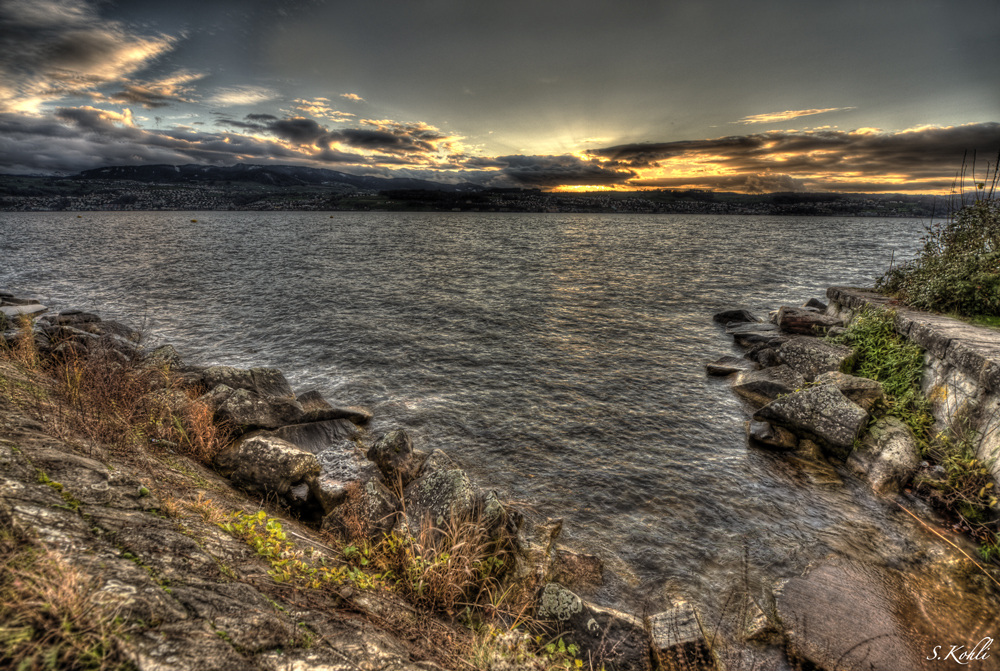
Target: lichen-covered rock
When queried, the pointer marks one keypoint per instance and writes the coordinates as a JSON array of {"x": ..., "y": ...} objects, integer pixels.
[
  {"x": 866, "y": 393},
  {"x": 771, "y": 436},
  {"x": 440, "y": 498},
  {"x": 819, "y": 412},
  {"x": 164, "y": 356},
  {"x": 369, "y": 512},
  {"x": 613, "y": 640},
  {"x": 811, "y": 357},
  {"x": 264, "y": 463},
  {"x": 394, "y": 455},
  {"x": 760, "y": 387},
  {"x": 262, "y": 381},
  {"x": 887, "y": 456}
]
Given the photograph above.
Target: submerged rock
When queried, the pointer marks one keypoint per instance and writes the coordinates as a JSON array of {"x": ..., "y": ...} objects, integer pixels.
[
  {"x": 727, "y": 365},
  {"x": 730, "y": 316}
]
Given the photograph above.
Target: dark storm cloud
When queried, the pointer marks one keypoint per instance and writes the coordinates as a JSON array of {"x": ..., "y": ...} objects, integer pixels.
[
  {"x": 297, "y": 130},
  {"x": 552, "y": 171},
  {"x": 260, "y": 117}
]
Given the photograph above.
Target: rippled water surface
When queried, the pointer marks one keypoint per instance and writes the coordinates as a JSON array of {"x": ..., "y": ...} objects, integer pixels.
[{"x": 559, "y": 358}]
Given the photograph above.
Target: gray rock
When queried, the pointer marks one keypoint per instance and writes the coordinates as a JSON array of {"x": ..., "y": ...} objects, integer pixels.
[
  {"x": 352, "y": 413},
  {"x": 763, "y": 386},
  {"x": 14, "y": 312},
  {"x": 440, "y": 499},
  {"x": 728, "y": 365},
  {"x": 820, "y": 413},
  {"x": 805, "y": 321},
  {"x": 762, "y": 338},
  {"x": 165, "y": 356},
  {"x": 816, "y": 304},
  {"x": 316, "y": 437},
  {"x": 812, "y": 357},
  {"x": 71, "y": 318},
  {"x": 677, "y": 638},
  {"x": 263, "y": 463},
  {"x": 772, "y": 436},
  {"x": 888, "y": 456},
  {"x": 438, "y": 461},
  {"x": 246, "y": 409},
  {"x": 262, "y": 381},
  {"x": 740, "y": 329},
  {"x": 729, "y": 316},
  {"x": 860, "y": 390},
  {"x": 393, "y": 454}
]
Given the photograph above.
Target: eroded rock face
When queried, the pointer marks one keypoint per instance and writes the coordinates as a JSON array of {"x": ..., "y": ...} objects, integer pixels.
[
  {"x": 265, "y": 463},
  {"x": 860, "y": 390},
  {"x": 394, "y": 455},
  {"x": 820, "y": 412},
  {"x": 763, "y": 386},
  {"x": 811, "y": 357},
  {"x": 887, "y": 457}
]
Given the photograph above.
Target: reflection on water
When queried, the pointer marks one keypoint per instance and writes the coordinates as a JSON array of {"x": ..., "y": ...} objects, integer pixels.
[{"x": 560, "y": 358}]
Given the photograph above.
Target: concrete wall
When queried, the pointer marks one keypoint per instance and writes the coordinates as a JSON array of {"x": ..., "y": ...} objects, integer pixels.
[{"x": 961, "y": 366}]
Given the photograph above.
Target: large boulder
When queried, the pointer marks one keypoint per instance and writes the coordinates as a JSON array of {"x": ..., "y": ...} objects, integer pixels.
[
  {"x": 316, "y": 437},
  {"x": 440, "y": 499},
  {"x": 395, "y": 457},
  {"x": 246, "y": 409},
  {"x": 264, "y": 463},
  {"x": 866, "y": 393},
  {"x": 611, "y": 639},
  {"x": 760, "y": 387},
  {"x": 887, "y": 456},
  {"x": 262, "y": 381},
  {"x": 820, "y": 413},
  {"x": 805, "y": 321},
  {"x": 811, "y": 357}
]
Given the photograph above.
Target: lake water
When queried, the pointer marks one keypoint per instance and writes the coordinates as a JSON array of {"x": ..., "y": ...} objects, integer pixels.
[{"x": 559, "y": 358}]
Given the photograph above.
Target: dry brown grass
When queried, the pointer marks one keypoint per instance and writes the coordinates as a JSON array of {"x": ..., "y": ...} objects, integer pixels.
[{"x": 52, "y": 616}]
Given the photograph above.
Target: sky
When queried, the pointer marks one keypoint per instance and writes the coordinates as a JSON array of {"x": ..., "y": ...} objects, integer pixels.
[{"x": 732, "y": 95}]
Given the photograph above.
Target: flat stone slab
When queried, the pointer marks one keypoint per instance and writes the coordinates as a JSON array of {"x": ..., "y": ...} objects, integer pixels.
[
  {"x": 820, "y": 412},
  {"x": 811, "y": 357},
  {"x": 727, "y": 365},
  {"x": 15, "y": 311},
  {"x": 752, "y": 328},
  {"x": 760, "y": 387}
]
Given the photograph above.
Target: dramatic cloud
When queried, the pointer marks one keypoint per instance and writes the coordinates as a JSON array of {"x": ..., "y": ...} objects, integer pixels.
[
  {"x": 921, "y": 158},
  {"x": 553, "y": 171},
  {"x": 51, "y": 49},
  {"x": 786, "y": 115}
]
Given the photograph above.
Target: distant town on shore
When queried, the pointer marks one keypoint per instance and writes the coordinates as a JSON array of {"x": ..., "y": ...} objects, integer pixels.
[{"x": 291, "y": 188}]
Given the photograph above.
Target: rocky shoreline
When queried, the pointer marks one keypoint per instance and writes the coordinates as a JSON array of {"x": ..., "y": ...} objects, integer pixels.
[{"x": 187, "y": 580}]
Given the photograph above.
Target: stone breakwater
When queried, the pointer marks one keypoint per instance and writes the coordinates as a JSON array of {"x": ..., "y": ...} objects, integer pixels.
[{"x": 181, "y": 581}]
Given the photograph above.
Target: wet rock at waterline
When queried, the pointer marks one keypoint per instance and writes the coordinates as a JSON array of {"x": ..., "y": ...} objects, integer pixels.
[
  {"x": 730, "y": 316},
  {"x": 816, "y": 304},
  {"x": 805, "y": 321},
  {"x": 887, "y": 456},
  {"x": 820, "y": 412},
  {"x": 811, "y": 357},
  {"x": 316, "y": 437},
  {"x": 265, "y": 382},
  {"x": 727, "y": 365},
  {"x": 317, "y": 409},
  {"x": 771, "y": 436},
  {"x": 243, "y": 408},
  {"x": 760, "y": 387}
]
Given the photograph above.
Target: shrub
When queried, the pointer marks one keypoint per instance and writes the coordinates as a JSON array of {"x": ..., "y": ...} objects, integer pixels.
[{"x": 958, "y": 269}]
